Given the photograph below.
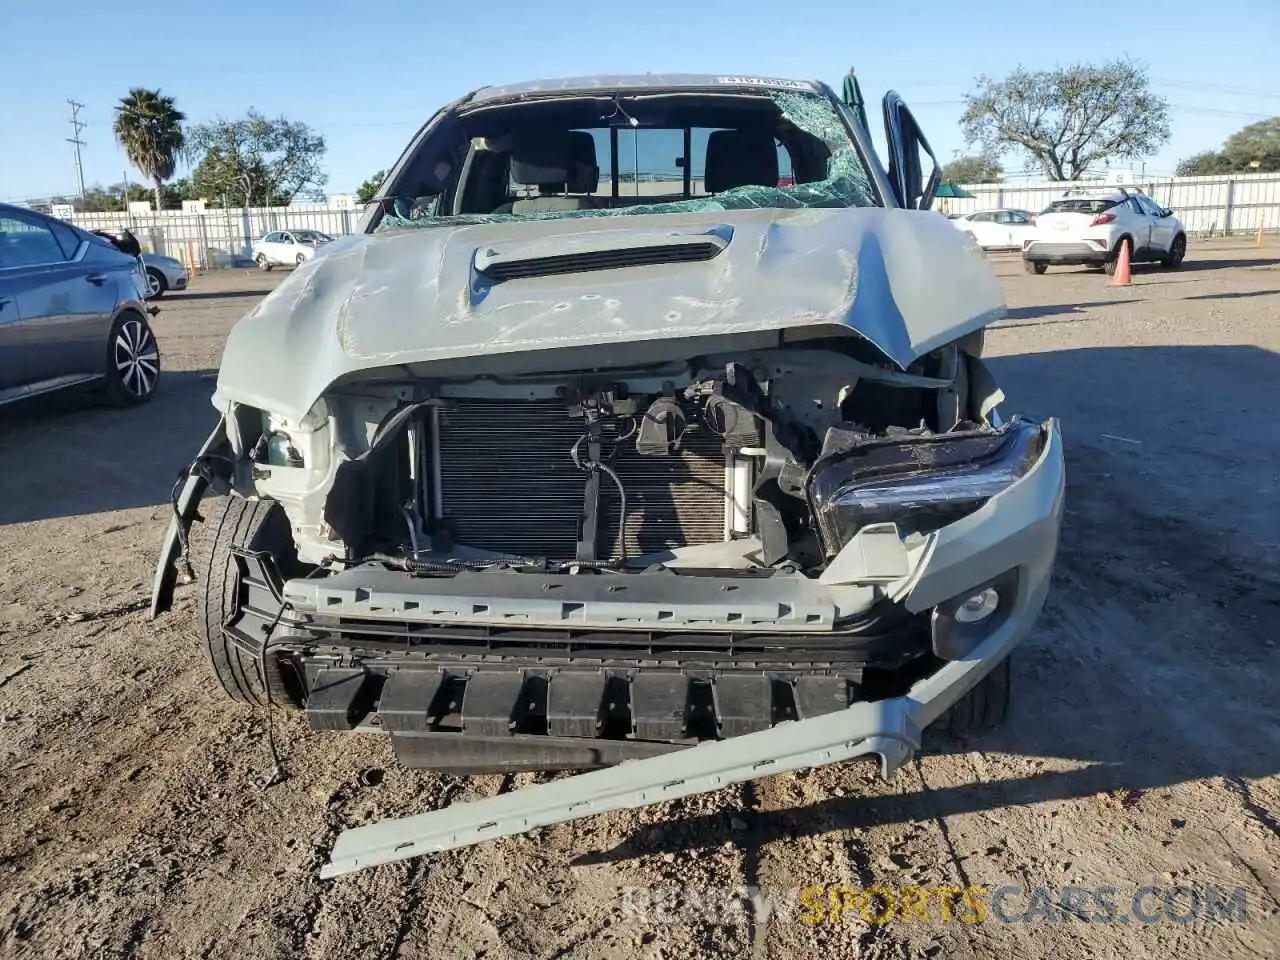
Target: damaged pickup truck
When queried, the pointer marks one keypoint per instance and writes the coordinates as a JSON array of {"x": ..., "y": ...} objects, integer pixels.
[{"x": 678, "y": 481}]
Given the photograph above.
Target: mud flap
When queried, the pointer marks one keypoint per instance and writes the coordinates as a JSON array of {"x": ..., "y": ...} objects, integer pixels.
[
  {"x": 889, "y": 728},
  {"x": 185, "y": 504}
]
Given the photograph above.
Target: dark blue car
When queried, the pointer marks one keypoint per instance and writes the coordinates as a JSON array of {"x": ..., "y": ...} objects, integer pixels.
[{"x": 72, "y": 313}]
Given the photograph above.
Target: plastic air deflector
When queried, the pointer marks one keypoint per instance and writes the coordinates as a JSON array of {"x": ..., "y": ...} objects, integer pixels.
[
  {"x": 490, "y": 703},
  {"x": 574, "y": 704},
  {"x": 658, "y": 705},
  {"x": 818, "y": 696},
  {"x": 405, "y": 698},
  {"x": 741, "y": 704},
  {"x": 339, "y": 699}
]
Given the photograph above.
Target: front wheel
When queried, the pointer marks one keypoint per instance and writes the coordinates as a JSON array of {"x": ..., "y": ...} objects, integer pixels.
[
  {"x": 983, "y": 707},
  {"x": 263, "y": 262},
  {"x": 156, "y": 283},
  {"x": 302, "y": 258},
  {"x": 1032, "y": 266},
  {"x": 1177, "y": 252},
  {"x": 253, "y": 525},
  {"x": 133, "y": 361}
]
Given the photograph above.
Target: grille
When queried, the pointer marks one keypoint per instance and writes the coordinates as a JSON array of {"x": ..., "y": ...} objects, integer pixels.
[
  {"x": 600, "y": 260},
  {"x": 510, "y": 486}
]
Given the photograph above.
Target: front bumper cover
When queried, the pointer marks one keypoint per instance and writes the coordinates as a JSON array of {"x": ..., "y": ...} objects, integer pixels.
[
  {"x": 1017, "y": 529},
  {"x": 889, "y": 728}
]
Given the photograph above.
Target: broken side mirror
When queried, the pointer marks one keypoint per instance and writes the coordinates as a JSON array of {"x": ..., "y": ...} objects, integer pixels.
[{"x": 906, "y": 145}]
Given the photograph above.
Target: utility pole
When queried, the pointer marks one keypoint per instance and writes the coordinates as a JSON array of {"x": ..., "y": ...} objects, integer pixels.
[{"x": 77, "y": 125}]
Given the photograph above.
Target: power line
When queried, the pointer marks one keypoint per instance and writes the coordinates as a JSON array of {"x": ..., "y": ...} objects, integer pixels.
[
  {"x": 1219, "y": 88},
  {"x": 1217, "y": 112},
  {"x": 77, "y": 125}
]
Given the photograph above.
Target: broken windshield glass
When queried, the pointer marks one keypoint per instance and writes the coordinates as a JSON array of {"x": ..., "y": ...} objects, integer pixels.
[{"x": 847, "y": 182}]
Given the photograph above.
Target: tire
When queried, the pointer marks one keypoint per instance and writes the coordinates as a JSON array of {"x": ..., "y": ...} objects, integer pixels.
[
  {"x": 159, "y": 285},
  {"x": 263, "y": 263},
  {"x": 1110, "y": 266},
  {"x": 1177, "y": 253},
  {"x": 256, "y": 525},
  {"x": 1032, "y": 266},
  {"x": 301, "y": 260},
  {"x": 983, "y": 707},
  {"x": 132, "y": 362}
]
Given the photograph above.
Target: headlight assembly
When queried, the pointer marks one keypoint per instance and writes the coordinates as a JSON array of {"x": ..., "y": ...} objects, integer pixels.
[{"x": 921, "y": 483}]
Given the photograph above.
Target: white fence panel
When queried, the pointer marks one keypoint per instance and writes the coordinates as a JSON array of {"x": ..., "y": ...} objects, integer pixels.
[
  {"x": 219, "y": 238},
  {"x": 1209, "y": 206}
]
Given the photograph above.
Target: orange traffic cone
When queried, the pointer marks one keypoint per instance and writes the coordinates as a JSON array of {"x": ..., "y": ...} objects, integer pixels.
[{"x": 1122, "y": 276}]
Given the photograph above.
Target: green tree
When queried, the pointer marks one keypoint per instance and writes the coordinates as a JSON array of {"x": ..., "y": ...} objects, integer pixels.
[
  {"x": 256, "y": 160},
  {"x": 1069, "y": 119},
  {"x": 1257, "y": 143},
  {"x": 1203, "y": 164},
  {"x": 148, "y": 125},
  {"x": 100, "y": 199},
  {"x": 369, "y": 189},
  {"x": 976, "y": 168}
]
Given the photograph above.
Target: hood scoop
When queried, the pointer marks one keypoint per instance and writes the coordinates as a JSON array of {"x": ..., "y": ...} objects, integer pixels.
[{"x": 597, "y": 250}]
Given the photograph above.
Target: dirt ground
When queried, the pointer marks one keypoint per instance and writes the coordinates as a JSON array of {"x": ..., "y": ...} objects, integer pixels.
[{"x": 1144, "y": 745}]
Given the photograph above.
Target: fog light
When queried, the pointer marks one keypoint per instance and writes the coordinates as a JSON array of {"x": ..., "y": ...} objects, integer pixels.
[{"x": 978, "y": 607}]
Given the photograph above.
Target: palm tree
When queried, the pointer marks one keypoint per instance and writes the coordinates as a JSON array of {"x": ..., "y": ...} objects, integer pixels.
[{"x": 149, "y": 127}]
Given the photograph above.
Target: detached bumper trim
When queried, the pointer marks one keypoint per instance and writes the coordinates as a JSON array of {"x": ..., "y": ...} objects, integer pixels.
[{"x": 890, "y": 729}]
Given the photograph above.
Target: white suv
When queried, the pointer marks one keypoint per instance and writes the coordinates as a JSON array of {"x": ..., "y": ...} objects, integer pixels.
[{"x": 1088, "y": 227}]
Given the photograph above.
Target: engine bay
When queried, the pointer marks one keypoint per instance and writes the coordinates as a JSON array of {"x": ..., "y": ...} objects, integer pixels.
[{"x": 701, "y": 463}]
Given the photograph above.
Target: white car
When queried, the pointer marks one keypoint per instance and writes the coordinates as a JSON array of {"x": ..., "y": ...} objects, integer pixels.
[
  {"x": 288, "y": 247},
  {"x": 164, "y": 274},
  {"x": 1089, "y": 226},
  {"x": 1003, "y": 229}
]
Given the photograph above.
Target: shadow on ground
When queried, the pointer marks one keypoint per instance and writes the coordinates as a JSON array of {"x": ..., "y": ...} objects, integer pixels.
[
  {"x": 68, "y": 455},
  {"x": 1236, "y": 295},
  {"x": 1057, "y": 309},
  {"x": 211, "y": 295},
  {"x": 1202, "y": 265}
]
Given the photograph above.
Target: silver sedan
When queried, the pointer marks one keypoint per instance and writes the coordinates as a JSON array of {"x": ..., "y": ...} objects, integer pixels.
[{"x": 164, "y": 274}]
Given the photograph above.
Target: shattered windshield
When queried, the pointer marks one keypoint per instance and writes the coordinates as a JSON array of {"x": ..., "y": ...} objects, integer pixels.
[{"x": 602, "y": 156}]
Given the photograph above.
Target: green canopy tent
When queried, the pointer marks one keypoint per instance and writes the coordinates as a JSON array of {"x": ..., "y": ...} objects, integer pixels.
[
  {"x": 952, "y": 191},
  {"x": 852, "y": 96}
]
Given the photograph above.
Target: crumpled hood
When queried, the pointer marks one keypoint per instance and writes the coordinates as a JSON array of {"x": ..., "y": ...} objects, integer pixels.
[{"x": 907, "y": 281}]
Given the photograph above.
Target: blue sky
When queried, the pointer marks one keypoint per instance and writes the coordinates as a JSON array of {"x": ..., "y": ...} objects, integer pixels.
[{"x": 366, "y": 75}]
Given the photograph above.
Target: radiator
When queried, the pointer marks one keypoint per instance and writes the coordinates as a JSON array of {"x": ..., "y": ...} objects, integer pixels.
[{"x": 510, "y": 485}]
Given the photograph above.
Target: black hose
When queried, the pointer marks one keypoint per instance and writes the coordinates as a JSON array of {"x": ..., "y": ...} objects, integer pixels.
[{"x": 622, "y": 494}]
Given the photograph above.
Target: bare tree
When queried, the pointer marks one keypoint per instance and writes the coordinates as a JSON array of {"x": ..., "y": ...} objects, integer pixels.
[{"x": 1069, "y": 119}]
